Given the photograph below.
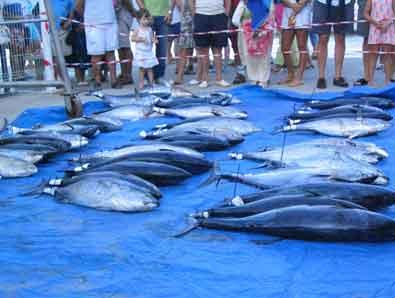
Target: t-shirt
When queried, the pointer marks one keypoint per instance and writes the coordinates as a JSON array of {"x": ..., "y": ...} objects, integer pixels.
[
  {"x": 210, "y": 7},
  {"x": 334, "y": 2},
  {"x": 61, "y": 9},
  {"x": 99, "y": 12},
  {"x": 157, "y": 8}
]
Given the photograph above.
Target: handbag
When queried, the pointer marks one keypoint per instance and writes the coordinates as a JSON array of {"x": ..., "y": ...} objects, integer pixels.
[
  {"x": 63, "y": 37},
  {"x": 257, "y": 45}
]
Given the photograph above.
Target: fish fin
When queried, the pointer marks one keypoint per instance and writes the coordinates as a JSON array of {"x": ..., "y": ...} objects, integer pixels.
[
  {"x": 267, "y": 242},
  {"x": 194, "y": 224},
  {"x": 215, "y": 176},
  {"x": 272, "y": 164},
  {"x": 278, "y": 130}
]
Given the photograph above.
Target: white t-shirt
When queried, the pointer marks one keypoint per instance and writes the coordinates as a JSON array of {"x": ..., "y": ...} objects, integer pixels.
[
  {"x": 334, "y": 2},
  {"x": 99, "y": 12},
  {"x": 210, "y": 7}
]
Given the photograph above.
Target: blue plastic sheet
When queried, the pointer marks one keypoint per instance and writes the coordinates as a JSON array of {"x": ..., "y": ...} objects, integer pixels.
[{"x": 49, "y": 249}]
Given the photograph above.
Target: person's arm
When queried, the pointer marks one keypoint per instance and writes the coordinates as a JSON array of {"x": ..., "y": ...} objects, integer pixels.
[
  {"x": 136, "y": 38},
  {"x": 227, "y": 6},
  {"x": 296, "y": 7},
  {"x": 169, "y": 16},
  {"x": 192, "y": 5},
  {"x": 140, "y": 3},
  {"x": 366, "y": 14},
  {"x": 128, "y": 5},
  {"x": 79, "y": 6}
]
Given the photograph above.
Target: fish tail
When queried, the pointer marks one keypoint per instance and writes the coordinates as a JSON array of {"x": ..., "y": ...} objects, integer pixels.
[
  {"x": 37, "y": 190},
  {"x": 215, "y": 176},
  {"x": 193, "y": 225}
]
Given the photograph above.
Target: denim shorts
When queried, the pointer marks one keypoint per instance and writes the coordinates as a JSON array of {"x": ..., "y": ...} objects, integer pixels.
[
  {"x": 207, "y": 23},
  {"x": 320, "y": 15}
]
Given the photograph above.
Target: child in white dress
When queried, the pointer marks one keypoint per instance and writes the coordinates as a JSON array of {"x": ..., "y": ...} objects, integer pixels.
[{"x": 145, "y": 39}]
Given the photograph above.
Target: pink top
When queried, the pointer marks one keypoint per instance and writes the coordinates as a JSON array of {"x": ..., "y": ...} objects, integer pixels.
[{"x": 382, "y": 11}]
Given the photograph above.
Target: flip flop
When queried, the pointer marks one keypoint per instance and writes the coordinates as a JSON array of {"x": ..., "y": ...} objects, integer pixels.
[{"x": 285, "y": 81}]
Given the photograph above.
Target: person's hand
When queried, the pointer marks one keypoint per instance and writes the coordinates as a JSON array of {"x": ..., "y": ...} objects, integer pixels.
[
  {"x": 169, "y": 17},
  {"x": 296, "y": 7}
]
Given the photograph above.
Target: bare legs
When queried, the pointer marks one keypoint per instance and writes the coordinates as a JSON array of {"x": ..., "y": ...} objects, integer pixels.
[
  {"x": 340, "y": 48},
  {"x": 184, "y": 56},
  {"x": 126, "y": 67},
  {"x": 150, "y": 75}
]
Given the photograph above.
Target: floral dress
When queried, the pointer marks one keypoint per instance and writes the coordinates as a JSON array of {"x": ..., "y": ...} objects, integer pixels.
[
  {"x": 186, "y": 40},
  {"x": 382, "y": 11}
]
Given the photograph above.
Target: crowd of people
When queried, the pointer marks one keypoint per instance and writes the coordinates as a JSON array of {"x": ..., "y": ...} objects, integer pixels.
[{"x": 97, "y": 33}]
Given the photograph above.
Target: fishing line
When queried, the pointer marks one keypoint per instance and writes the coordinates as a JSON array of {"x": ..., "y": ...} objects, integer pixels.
[{"x": 235, "y": 187}]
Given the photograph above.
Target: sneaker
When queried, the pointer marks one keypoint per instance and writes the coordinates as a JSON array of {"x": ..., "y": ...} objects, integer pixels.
[
  {"x": 340, "y": 82},
  {"x": 321, "y": 83},
  {"x": 116, "y": 85},
  {"x": 361, "y": 82},
  {"x": 203, "y": 84},
  {"x": 194, "y": 82},
  {"x": 222, "y": 83}
]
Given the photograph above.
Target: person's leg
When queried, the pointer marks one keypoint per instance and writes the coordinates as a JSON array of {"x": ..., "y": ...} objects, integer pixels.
[
  {"x": 110, "y": 57},
  {"x": 387, "y": 63},
  {"x": 340, "y": 48},
  {"x": 150, "y": 74},
  {"x": 218, "y": 63},
  {"x": 125, "y": 55},
  {"x": 79, "y": 75},
  {"x": 96, "y": 68},
  {"x": 373, "y": 49},
  {"x": 322, "y": 54},
  {"x": 141, "y": 78},
  {"x": 160, "y": 28},
  {"x": 181, "y": 66},
  {"x": 301, "y": 37},
  {"x": 203, "y": 54},
  {"x": 287, "y": 37}
]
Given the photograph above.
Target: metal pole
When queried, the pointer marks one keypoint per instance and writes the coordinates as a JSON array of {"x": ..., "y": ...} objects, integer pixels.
[
  {"x": 73, "y": 105},
  {"x": 49, "y": 73}
]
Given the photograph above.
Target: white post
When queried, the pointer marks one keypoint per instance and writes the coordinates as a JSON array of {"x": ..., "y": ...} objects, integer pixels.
[{"x": 49, "y": 72}]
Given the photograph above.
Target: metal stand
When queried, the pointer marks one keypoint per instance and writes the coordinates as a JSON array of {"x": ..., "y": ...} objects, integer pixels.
[{"x": 72, "y": 104}]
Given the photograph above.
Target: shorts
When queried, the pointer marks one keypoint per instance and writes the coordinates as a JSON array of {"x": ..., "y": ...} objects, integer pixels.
[
  {"x": 101, "y": 39},
  {"x": 320, "y": 15},
  {"x": 207, "y": 23},
  {"x": 125, "y": 23},
  {"x": 363, "y": 27}
]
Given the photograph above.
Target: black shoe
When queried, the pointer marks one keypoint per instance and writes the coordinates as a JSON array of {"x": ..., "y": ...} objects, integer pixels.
[
  {"x": 239, "y": 79},
  {"x": 321, "y": 83},
  {"x": 340, "y": 82},
  {"x": 392, "y": 80},
  {"x": 361, "y": 82},
  {"x": 116, "y": 85}
]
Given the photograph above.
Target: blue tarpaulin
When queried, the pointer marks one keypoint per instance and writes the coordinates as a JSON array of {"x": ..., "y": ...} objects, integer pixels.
[{"x": 49, "y": 249}]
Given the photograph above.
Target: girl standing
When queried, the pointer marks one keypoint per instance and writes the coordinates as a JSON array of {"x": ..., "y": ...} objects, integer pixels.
[
  {"x": 380, "y": 15},
  {"x": 145, "y": 39}
]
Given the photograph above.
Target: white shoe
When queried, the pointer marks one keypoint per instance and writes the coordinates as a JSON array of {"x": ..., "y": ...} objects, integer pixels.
[
  {"x": 203, "y": 84},
  {"x": 222, "y": 83},
  {"x": 194, "y": 82}
]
